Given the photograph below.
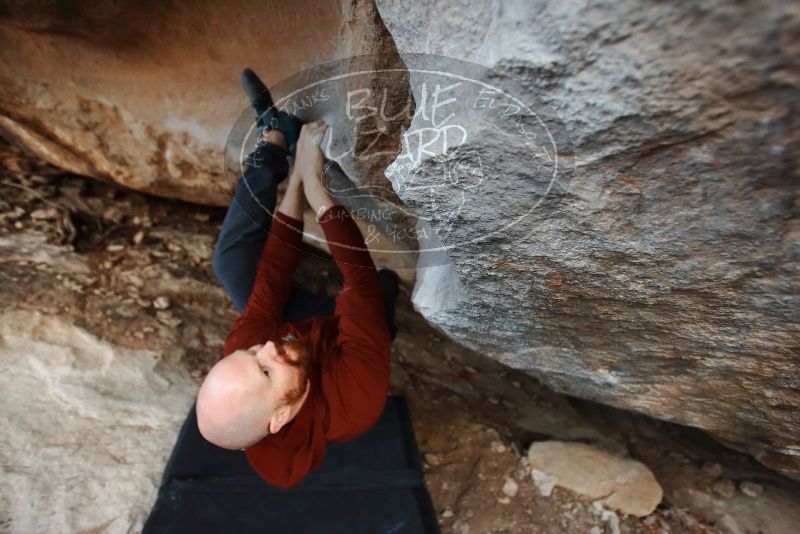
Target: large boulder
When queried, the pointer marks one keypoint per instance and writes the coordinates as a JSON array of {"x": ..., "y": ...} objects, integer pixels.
[
  {"x": 146, "y": 95},
  {"x": 661, "y": 274}
]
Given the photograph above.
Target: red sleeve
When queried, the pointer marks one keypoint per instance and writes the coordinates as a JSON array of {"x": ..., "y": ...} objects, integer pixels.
[
  {"x": 358, "y": 381},
  {"x": 272, "y": 286}
]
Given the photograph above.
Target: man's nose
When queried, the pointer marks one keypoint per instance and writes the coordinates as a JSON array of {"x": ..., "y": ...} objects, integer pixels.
[{"x": 263, "y": 350}]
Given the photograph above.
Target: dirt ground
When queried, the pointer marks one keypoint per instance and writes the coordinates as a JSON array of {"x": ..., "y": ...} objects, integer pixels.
[{"x": 151, "y": 286}]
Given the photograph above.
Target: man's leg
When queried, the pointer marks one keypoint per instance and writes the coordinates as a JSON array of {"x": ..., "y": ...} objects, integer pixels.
[
  {"x": 303, "y": 303},
  {"x": 245, "y": 230},
  {"x": 248, "y": 219},
  {"x": 389, "y": 282}
]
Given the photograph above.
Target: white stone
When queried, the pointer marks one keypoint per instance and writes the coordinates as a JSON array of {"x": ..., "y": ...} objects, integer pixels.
[
  {"x": 510, "y": 487},
  {"x": 544, "y": 483},
  {"x": 751, "y": 489},
  {"x": 712, "y": 469},
  {"x": 612, "y": 519},
  {"x": 620, "y": 483},
  {"x": 725, "y": 488},
  {"x": 44, "y": 214},
  {"x": 497, "y": 446}
]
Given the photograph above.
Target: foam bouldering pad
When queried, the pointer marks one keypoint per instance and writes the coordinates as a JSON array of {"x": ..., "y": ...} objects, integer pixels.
[{"x": 373, "y": 483}]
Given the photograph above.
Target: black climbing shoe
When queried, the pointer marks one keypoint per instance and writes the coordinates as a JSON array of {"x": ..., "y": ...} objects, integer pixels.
[
  {"x": 267, "y": 116},
  {"x": 257, "y": 92}
]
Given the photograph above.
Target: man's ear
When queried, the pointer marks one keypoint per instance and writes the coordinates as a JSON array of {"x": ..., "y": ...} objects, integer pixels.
[{"x": 278, "y": 419}]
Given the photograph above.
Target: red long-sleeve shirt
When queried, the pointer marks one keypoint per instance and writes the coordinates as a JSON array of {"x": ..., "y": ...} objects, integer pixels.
[{"x": 349, "y": 348}]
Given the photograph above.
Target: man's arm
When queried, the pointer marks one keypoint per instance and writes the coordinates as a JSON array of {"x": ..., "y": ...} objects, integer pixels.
[
  {"x": 273, "y": 281},
  {"x": 358, "y": 381}
]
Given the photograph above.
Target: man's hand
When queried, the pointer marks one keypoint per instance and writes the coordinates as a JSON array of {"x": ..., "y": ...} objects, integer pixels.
[
  {"x": 308, "y": 164},
  {"x": 309, "y": 158}
]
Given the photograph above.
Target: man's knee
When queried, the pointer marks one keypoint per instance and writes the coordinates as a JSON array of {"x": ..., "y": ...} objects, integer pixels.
[
  {"x": 389, "y": 282},
  {"x": 218, "y": 265},
  {"x": 226, "y": 272},
  {"x": 234, "y": 278}
]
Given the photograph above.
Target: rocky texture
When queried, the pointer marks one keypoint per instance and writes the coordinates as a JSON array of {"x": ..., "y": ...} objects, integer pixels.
[
  {"x": 657, "y": 274},
  {"x": 660, "y": 275},
  {"x": 146, "y": 95},
  {"x": 620, "y": 483},
  {"x": 87, "y": 427}
]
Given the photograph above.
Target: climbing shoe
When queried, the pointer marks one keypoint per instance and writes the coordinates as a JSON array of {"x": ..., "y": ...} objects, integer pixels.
[{"x": 267, "y": 115}]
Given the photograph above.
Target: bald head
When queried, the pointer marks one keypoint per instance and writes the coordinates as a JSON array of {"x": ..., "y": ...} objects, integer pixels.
[
  {"x": 233, "y": 410},
  {"x": 251, "y": 393}
]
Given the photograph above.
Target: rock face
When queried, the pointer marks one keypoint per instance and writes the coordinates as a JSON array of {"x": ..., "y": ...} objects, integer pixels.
[
  {"x": 652, "y": 263},
  {"x": 146, "y": 95},
  {"x": 661, "y": 274},
  {"x": 76, "y": 406}
]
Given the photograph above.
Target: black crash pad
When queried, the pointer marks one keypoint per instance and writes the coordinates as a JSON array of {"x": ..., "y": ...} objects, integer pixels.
[{"x": 372, "y": 484}]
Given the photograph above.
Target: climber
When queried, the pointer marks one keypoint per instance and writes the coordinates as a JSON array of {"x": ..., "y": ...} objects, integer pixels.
[{"x": 299, "y": 369}]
